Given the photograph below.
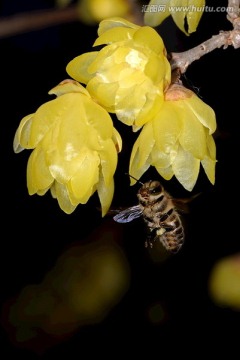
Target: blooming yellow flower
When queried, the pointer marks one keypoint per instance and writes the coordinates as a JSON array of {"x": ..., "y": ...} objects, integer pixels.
[
  {"x": 129, "y": 75},
  {"x": 177, "y": 140},
  {"x": 224, "y": 282},
  {"x": 74, "y": 144},
  {"x": 94, "y": 11},
  {"x": 182, "y": 11}
]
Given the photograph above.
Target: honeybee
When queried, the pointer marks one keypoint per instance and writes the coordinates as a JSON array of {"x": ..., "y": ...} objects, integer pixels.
[{"x": 159, "y": 212}]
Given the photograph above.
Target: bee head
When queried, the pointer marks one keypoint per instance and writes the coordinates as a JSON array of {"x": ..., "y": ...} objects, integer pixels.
[
  {"x": 153, "y": 187},
  {"x": 150, "y": 189}
]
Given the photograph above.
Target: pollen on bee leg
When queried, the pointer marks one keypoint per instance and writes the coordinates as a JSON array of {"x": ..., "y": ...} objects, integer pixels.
[{"x": 161, "y": 231}]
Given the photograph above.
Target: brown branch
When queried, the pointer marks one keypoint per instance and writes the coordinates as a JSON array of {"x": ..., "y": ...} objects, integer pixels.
[
  {"x": 40, "y": 19},
  {"x": 233, "y": 10},
  {"x": 36, "y": 20},
  {"x": 184, "y": 59}
]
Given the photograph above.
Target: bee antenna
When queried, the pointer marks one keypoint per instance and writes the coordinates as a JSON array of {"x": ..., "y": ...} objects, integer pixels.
[{"x": 134, "y": 178}]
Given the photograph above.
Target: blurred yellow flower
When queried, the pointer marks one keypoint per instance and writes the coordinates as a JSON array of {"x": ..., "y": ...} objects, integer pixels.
[
  {"x": 177, "y": 140},
  {"x": 224, "y": 282},
  {"x": 183, "y": 12},
  {"x": 75, "y": 148},
  {"x": 94, "y": 11},
  {"x": 129, "y": 75}
]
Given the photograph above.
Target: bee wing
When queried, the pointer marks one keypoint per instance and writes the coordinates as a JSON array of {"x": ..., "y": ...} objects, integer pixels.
[
  {"x": 128, "y": 214},
  {"x": 182, "y": 204}
]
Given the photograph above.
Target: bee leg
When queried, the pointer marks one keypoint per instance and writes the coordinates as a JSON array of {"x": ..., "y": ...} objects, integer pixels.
[{"x": 151, "y": 237}]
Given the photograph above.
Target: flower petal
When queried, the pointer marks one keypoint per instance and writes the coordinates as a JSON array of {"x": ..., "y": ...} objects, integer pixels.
[
  {"x": 159, "y": 158},
  {"x": 113, "y": 22},
  {"x": 186, "y": 168},
  {"x": 135, "y": 170},
  {"x": 156, "y": 18},
  {"x": 21, "y": 138},
  {"x": 78, "y": 67},
  {"x": 179, "y": 16},
  {"x": 193, "y": 136},
  {"x": 62, "y": 196},
  {"x": 108, "y": 156},
  {"x": 167, "y": 126},
  {"x": 203, "y": 112},
  {"x": 137, "y": 157},
  {"x": 87, "y": 175},
  {"x": 38, "y": 174},
  {"x": 209, "y": 168},
  {"x": 105, "y": 194},
  {"x": 116, "y": 34},
  {"x": 167, "y": 173},
  {"x": 193, "y": 17},
  {"x": 148, "y": 37},
  {"x": 68, "y": 86},
  {"x": 211, "y": 146},
  {"x": 117, "y": 140},
  {"x": 97, "y": 118}
]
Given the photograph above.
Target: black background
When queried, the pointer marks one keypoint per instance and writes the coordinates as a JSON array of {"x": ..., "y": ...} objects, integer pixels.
[{"x": 35, "y": 231}]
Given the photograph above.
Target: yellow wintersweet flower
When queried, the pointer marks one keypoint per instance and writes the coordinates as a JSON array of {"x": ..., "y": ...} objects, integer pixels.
[
  {"x": 94, "y": 11},
  {"x": 224, "y": 282},
  {"x": 185, "y": 13},
  {"x": 75, "y": 148},
  {"x": 129, "y": 75},
  {"x": 177, "y": 140}
]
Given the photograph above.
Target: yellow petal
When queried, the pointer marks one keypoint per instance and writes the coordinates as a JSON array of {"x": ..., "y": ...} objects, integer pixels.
[
  {"x": 209, "y": 168},
  {"x": 38, "y": 174},
  {"x": 105, "y": 194},
  {"x": 64, "y": 143},
  {"x": 179, "y": 16},
  {"x": 68, "y": 86},
  {"x": 167, "y": 127},
  {"x": 113, "y": 22},
  {"x": 117, "y": 140},
  {"x": 97, "y": 118},
  {"x": 194, "y": 14},
  {"x": 62, "y": 196},
  {"x": 152, "y": 106},
  {"x": 186, "y": 169},
  {"x": 138, "y": 103},
  {"x": 21, "y": 138},
  {"x": 158, "y": 69},
  {"x": 167, "y": 173},
  {"x": 211, "y": 147},
  {"x": 148, "y": 37},
  {"x": 43, "y": 192},
  {"x": 159, "y": 158},
  {"x": 103, "y": 59},
  {"x": 44, "y": 118},
  {"x": 146, "y": 143},
  {"x": 105, "y": 94},
  {"x": 85, "y": 178},
  {"x": 157, "y": 17},
  {"x": 84, "y": 124},
  {"x": 203, "y": 112},
  {"x": 115, "y": 35},
  {"x": 134, "y": 169},
  {"x": 108, "y": 156},
  {"x": 193, "y": 136},
  {"x": 78, "y": 67}
]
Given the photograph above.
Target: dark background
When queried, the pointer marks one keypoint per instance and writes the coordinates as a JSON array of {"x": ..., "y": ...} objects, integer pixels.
[{"x": 35, "y": 231}]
